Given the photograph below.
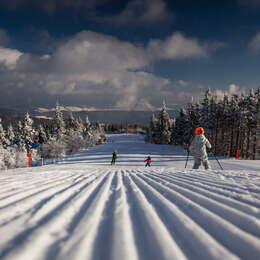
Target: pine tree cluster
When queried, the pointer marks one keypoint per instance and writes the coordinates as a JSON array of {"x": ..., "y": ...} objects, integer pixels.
[
  {"x": 50, "y": 141},
  {"x": 231, "y": 123}
]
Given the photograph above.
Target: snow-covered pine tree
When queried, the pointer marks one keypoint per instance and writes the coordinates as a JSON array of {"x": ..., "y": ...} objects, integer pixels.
[
  {"x": 205, "y": 110},
  {"x": 213, "y": 124},
  {"x": 257, "y": 151},
  {"x": 3, "y": 139},
  {"x": 28, "y": 132},
  {"x": 10, "y": 135},
  {"x": 161, "y": 127},
  {"x": 224, "y": 122},
  {"x": 2, "y": 157},
  {"x": 242, "y": 130},
  {"x": 234, "y": 126},
  {"x": 55, "y": 145},
  {"x": 74, "y": 134},
  {"x": 208, "y": 119},
  {"x": 98, "y": 134},
  {"x": 87, "y": 129},
  {"x": 87, "y": 122},
  {"x": 72, "y": 123},
  {"x": 215, "y": 116},
  {"x": 181, "y": 131},
  {"x": 81, "y": 125},
  {"x": 19, "y": 141},
  {"x": 59, "y": 124},
  {"x": 251, "y": 117},
  {"x": 194, "y": 116},
  {"x": 7, "y": 153},
  {"x": 257, "y": 136},
  {"x": 42, "y": 136}
]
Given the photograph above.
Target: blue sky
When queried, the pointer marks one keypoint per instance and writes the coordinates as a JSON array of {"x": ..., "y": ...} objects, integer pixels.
[{"x": 126, "y": 54}]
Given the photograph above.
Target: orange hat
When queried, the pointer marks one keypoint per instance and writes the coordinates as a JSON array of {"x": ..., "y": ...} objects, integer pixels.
[{"x": 199, "y": 131}]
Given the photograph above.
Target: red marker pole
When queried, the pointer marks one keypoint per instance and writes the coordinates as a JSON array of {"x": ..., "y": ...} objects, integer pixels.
[
  {"x": 238, "y": 154},
  {"x": 29, "y": 159}
]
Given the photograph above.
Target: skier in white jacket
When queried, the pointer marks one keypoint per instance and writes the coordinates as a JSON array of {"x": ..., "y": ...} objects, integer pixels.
[{"x": 198, "y": 149}]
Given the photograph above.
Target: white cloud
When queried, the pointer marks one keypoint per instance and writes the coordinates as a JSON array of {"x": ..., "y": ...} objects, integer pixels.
[
  {"x": 94, "y": 52},
  {"x": 177, "y": 46},
  {"x": 254, "y": 43},
  {"x": 9, "y": 57},
  {"x": 97, "y": 67},
  {"x": 139, "y": 12}
]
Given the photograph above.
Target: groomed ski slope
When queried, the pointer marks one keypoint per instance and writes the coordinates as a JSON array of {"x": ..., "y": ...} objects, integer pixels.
[{"x": 83, "y": 208}]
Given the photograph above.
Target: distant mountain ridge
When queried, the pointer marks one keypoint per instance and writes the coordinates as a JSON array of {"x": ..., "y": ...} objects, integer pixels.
[{"x": 95, "y": 115}]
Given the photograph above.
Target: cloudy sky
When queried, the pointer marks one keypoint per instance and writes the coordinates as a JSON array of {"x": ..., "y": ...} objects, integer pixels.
[{"x": 126, "y": 54}]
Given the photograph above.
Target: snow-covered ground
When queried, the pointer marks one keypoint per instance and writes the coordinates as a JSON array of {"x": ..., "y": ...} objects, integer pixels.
[{"x": 83, "y": 208}]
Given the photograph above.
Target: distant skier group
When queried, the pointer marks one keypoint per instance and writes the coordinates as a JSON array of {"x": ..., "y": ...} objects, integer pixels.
[
  {"x": 148, "y": 160},
  {"x": 198, "y": 148}
]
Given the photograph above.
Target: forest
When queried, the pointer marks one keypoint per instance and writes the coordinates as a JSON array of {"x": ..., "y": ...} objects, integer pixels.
[
  {"x": 231, "y": 123},
  {"x": 24, "y": 144}
]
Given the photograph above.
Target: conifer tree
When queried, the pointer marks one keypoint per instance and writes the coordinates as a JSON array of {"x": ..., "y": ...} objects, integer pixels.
[
  {"x": 87, "y": 129},
  {"x": 257, "y": 134},
  {"x": 205, "y": 110},
  {"x": 181, "y": 132},
  {"x": 72, "y": 123},
  {"x": 59, "y": 124},
  {"x": 28, "y": 132},
  {"x": 161, "y": 127},
  {"x": 3, "y": 139},
  {"x": 193, "y": 111},
  {"x": 42, "y": 135},
  {"x": 10, "y": 135},
  {"x": 87, "y": 122},
  {"x": 19, "y": 141}
]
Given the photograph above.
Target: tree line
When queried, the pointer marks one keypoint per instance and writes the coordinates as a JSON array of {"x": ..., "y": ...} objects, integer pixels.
[
  {"x": 232, "y": 124},
  {"x": 46, "y": 141}
]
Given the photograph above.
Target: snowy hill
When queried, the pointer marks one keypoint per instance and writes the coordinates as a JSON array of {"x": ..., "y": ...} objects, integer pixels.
[{"x": 83, "y": 208}]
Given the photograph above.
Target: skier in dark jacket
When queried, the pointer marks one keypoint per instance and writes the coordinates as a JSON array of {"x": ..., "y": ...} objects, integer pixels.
[
  {"x": 148, "y": 161},
  {"x": 114, "y": 156}
]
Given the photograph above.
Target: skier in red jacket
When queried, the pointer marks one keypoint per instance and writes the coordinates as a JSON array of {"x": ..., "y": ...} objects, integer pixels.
[{"x": 148, "y": 161}]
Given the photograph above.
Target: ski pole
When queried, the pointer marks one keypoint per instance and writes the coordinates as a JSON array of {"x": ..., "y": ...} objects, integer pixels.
[
  {"x": 217, "y": 160},
  {"x": 188, "y": 153}
]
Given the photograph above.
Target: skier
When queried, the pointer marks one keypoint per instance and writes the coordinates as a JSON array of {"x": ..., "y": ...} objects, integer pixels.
[
  {"x": 114, "y": 156},
  {"x": 199, "y": 147},
  {"x": 148, "y": 161}
]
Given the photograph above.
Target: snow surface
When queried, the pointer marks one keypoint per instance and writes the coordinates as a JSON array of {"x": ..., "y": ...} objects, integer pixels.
[{"x": 83, "y": 208}]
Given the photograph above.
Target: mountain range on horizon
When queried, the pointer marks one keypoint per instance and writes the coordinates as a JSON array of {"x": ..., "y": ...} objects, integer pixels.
[{"x": 111, "y": 116}]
